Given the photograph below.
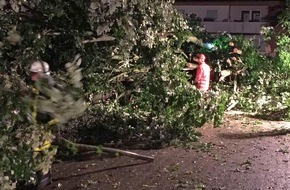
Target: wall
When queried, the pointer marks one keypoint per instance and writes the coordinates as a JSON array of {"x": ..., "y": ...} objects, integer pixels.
[
  {"x": 223, "y": 10},
  {"x": 229, "y": 17},
  {"x": 236, "y": 11},
  {"x": 201, "y": 11}
]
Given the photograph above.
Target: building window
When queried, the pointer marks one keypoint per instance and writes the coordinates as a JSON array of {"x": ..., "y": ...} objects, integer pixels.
[
  {"x": 245, "y": 16},
  {"x": 256, "y": 15},
  {"x": 212, "y": 14}
]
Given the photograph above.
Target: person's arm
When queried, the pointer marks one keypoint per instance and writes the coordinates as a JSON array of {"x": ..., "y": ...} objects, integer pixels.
[{"x": 198, "y": 74}]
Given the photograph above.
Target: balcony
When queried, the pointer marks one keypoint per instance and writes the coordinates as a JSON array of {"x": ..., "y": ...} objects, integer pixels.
[{"x": 238, "y": 27}]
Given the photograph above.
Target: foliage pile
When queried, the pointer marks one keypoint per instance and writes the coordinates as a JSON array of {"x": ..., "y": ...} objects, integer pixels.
[
  {"x": 263, "y": 83},
  {"x": 283, "y": 38},
  {"x": 131, "y": 53},
  {"x": 265, "y": 88},
  {"x": 253, "y": 82}
]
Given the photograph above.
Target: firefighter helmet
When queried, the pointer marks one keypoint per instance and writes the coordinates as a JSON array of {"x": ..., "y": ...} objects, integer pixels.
[{"x": 39, "y": 67}]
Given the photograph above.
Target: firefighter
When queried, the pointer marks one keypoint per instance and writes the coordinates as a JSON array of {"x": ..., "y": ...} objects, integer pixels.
[
  {"x": 202, "y": 77},
  {"x": 40, "y": 69}
]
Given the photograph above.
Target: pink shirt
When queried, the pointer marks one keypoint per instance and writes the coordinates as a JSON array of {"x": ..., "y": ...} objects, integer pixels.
[{"x": 202, "y": 76}]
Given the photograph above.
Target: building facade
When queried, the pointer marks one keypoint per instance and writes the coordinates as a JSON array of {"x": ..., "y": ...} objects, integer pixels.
[{"x": 241, "y": 17}]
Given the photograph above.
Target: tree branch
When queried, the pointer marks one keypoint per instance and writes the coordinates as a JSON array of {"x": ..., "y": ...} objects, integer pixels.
[{"x": 85, "y": 148}]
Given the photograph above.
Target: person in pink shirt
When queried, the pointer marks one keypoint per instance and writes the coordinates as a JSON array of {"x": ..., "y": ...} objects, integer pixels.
[{"x": 202, "y": 77}]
